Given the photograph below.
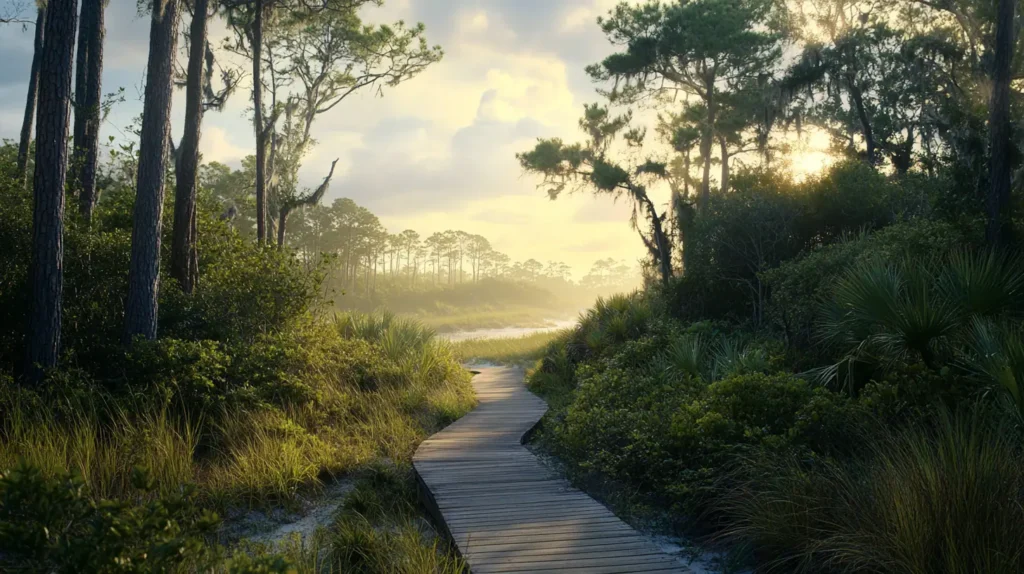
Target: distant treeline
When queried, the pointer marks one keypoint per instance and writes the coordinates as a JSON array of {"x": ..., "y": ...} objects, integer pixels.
[{"x": 365, "y": 254}]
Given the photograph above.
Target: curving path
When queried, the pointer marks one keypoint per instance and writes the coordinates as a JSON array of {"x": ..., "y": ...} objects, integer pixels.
[{"x": 505, "y": 511}]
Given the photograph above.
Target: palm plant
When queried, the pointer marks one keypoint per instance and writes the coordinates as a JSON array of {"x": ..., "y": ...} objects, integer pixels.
[
  {"x": 396, "y": 336},
  {"x": 995, "y": 354},
  {"x": 883, "y": 312},
  {"x": 711, "y": 360},
  {"x": 612, "y": 320},
  {"x": 688, "y": 356}
]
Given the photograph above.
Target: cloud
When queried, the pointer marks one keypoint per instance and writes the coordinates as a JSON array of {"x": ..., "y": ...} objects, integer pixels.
[
  {"x": 216, "y": 145},
  {"x": 434, "y": 153}
]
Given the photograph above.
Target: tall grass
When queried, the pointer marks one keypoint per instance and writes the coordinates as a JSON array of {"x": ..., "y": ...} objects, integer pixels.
[
  {"x": 103, "y": 453},
  {"x": 379, "y": 528},
  {"x": 943, "y": 498},
  {"x": 395, "y": 335},
  {"x": 404, "y": 386}
]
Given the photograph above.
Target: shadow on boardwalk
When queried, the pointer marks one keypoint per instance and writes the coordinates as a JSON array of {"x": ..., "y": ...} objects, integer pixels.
[{"x": 504, "y": 509}]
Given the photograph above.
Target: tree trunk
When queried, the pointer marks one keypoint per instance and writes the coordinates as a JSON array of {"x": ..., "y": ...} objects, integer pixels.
[
  {"x": 30, "y": 100},
  {"x": 999, "y": 228},
  {"x": 663, "y": 248},
  {"x": 88, "y": 96},
  {"x": 47, "y": 271},
  {"x": 686, "y": 174},
  {"x": 707, "y": 139},
  {"x": 865, "y": 121},
  {"x": 184, "y": 254},
  {"x": 724, "y": 148},
  {"x": 282, "y": 222},
  {"x": 144, "y": 270},
  {"x": 257, "y": 102}
]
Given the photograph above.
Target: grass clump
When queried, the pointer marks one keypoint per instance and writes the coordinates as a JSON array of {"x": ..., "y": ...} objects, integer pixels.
[
  {"x": 944, "y": 497},
  {"x": 379, "y": 529}
]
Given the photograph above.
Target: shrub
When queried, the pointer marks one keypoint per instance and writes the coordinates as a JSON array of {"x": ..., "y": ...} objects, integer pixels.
[
  {"x": 884, "y": 312},
  {"x": 192, "y": 374},
  {"x": 799, "y": 285},
  {"x": 52, "y": 525},
  {"x": 850, "y": 196},
  {"x": 618, "y": 425},
  {"x": 244, "y": 291}
]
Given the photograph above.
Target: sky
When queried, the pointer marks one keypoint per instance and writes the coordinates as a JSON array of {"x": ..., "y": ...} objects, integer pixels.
[{"x": 435, "y": 153}]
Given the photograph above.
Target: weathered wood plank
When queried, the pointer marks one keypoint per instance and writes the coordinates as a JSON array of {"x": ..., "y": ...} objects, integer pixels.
[{"x": 505, "y": 511}]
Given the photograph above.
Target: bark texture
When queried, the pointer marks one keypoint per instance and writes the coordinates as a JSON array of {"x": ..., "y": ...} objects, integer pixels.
[
  {"x": 144, "y": 270},
  {"x": 184, "y": 254},
  {"x": 88, "y": 96},
  {"x": 999, "y": 229},
  {"x": 30, "y": 100},
  {"x": 47, "y": 267},
  {"x": 257, "y": 102}
]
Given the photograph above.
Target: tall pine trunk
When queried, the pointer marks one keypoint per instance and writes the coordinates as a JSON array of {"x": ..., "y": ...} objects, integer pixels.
[
  {"x": 144, "y": 270},
  {"x": 257, "y": 102},
  {"x": 706, "y": 141},
  {"x": 30, "y": 100},
  {"x": 282, "y": 222},
  {"x": 184, "y": 254},
  {"x": 724, "y": 148},
  {"x": 47, "y": 271},
  {"x": 999, "y": 229},
  {"x": 88, "y": 95}
]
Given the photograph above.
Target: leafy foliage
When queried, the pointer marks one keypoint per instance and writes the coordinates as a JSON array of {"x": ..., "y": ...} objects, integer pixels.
[{"x": 52, "y": 525}]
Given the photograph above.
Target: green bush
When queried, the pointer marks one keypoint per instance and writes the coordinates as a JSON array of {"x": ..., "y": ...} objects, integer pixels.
[
  {"x": 618, "y": 425},
  {"x": 52, "y": 525},
  {"x": 850, "y": 196},
  {"x": 758, "y": 409},
  {"x": 907, "y": 310},
  {"x": 799, "y": 285},
  {"x": 244, "y": 291},
  {"x": 667, "y": 433}
]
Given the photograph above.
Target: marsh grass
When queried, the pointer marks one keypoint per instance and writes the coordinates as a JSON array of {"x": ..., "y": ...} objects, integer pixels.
[
  {"x": 445, "y": 321},
  {"x": 508, "y": 350}
]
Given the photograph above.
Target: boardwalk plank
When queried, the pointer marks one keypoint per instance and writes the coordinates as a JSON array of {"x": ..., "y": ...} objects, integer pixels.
[{"x": 505, "y": 511}]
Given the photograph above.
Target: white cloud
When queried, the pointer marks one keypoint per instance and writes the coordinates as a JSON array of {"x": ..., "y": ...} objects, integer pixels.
[
  {"x": 438, "y": 151},
  {"x": 217, "y": 145}
]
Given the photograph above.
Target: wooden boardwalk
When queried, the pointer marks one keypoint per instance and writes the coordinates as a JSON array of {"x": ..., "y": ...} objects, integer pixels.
[{"x": 505, "y": 511}]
